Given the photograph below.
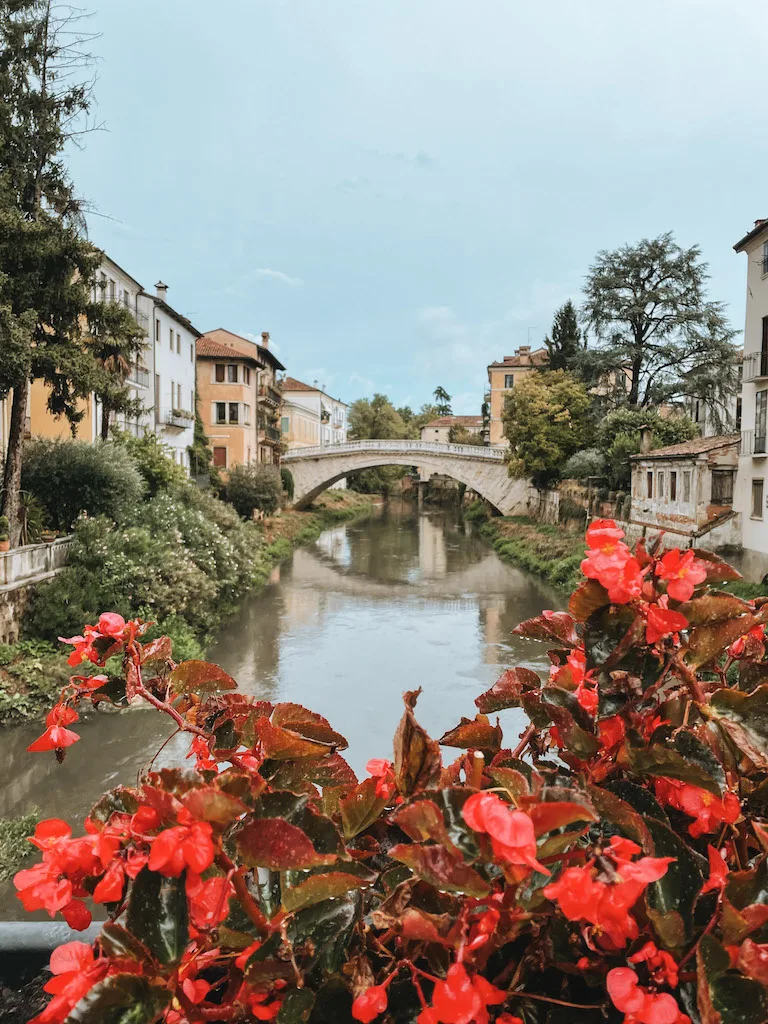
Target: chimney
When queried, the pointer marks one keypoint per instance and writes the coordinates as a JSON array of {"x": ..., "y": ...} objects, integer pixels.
[
  {"x": 646, "y": 438},
  {"x": 759, "y": 222},
  {"x": 161, "y": 291},
  {"x": 523, "y": 350},
  {"x": 265, "y": 339}
]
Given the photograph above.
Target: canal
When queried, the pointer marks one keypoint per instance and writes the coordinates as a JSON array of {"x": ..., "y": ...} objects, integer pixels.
[{"x": 398, "y": 601}]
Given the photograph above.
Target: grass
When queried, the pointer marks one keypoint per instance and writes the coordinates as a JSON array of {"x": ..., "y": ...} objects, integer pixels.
[
  {"x": 14, "y": 847},
  {"x": 546, "y": 550},
  {"x": 33, "y": 672},
  {"x": 746, "y": 589}
]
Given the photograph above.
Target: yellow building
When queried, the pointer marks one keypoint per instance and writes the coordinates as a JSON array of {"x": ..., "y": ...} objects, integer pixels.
[{"x": 502, "y": 377}]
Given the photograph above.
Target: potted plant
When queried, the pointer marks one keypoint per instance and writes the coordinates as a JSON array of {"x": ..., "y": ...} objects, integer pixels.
[{"x": 5, "y": 541}]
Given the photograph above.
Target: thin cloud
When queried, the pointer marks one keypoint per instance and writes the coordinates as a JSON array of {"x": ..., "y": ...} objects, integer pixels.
[{"x": 268, "y": 274}]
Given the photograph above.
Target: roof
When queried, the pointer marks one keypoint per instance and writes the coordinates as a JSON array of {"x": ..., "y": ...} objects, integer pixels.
[
  {"x": 207, "y": 348},
  {"x": 178, "y": 317},
  {"x": 114, "y": 263},
  {"x": 760, "y": 226},
  {"x": 291, "y": 384},
  {"x": 523, "y": 357},
  {"x": 456, "y": 421},
  {"x": 264, "y": 352},
  {"x": 696, "y": 446}
]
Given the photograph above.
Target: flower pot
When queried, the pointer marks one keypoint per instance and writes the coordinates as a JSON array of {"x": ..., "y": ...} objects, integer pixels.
[{"x": 5, "y": 545}]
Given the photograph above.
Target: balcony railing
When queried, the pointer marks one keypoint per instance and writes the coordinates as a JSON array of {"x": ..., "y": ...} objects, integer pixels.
[
  {"x": 270, "y": 434},
  {"x": 755, "y": 365},
  {"x": 139, "y": 375},
  {"x": 179, "y": 418},
  {"x": 270, "y": 395},
  {"x": 753, "y": 444}
]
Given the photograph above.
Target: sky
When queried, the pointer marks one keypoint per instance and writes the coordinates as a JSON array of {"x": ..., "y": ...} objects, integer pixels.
[{"x": 401, "y": 192}]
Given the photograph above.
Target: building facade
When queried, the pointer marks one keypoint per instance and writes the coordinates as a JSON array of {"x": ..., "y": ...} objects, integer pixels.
[
  {"x": 502, "y": 377},
  {"x": 751, "y": 498},
  {"x": 439, "y": 429},
  {"x": 311, "y": 417},
  {"x": 174, "y": 343},
  {"x": 240, "y": 398}
]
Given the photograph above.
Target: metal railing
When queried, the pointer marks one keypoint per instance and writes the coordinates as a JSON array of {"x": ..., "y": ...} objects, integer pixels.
[
  {"x": 180, "y": 418},
  {"x": 753, "y": 444},
  {"x": 139, "y": 375},
  {"x": 755, "y": 365},
  {"x": 271, "y": 433},
  {"x": 270, "y": 394},
  {"x": 397, "y": 447}
]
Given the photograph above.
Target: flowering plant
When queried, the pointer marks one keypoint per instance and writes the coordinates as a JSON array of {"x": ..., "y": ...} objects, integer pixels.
[{"x": 612, "y": 864}]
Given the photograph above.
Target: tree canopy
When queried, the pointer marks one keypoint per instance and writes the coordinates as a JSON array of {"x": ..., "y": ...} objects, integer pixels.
[
  {"x": 546, "y": 419},
  {"x": 564, "y": 344},
  {"x": 659, "y": 338}
]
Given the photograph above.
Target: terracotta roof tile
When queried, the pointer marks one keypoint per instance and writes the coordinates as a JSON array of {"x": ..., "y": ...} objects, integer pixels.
[
  {"x": 456, "y": 421},
  {"x": 291, "y": 384},
  {"x": 206, "y": 347},
  {"x": 537, "y": 357},
  {"x": 696, "y": 446}
]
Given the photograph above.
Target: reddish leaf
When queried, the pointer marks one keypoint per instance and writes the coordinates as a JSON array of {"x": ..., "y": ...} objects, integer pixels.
[
  {"x": 442, "y": 869},
  {"x": 718, "y": 570},
  {"x": 280, "y": 744},
  {"x": 361, "y": 807},
  {"x": 708, "y": 642},
  {"x": 157, "y": 650},
  {"x": 753, "y": 961},
  {"x": 417, "y": 756},
  {"x": 331, "y": 770},
  {"x": 423, "y": 820},
  {"x": 330, "y": 885},
  {"x": 506, "y": 691},
  {"x": 512, "y": 780},
  {"x": 200, "y": 677},
  {"x": 744, "y": 717},
  {"x": 714, "y": 607},
  {"x": 209, "y": 804},
  {"x": 586, "y": 599},
  {"x": 477, "y": 734},
  {"x": 557, "y": 626},
  {"x": 420, "y": 926},
  {"x": 548, "y": 816},
  {"x": 308, "y": 725},
  {"x": 276, "y": 844}
]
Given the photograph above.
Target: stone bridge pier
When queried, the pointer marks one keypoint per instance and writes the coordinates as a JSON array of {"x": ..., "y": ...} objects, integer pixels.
[{"x": 482, "y": 469}]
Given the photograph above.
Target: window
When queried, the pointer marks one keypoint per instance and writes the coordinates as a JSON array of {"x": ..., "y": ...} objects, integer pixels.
[
  {"x": 672, "y": 485},
  {"x": 221, "y": 412},
  {"x": 170, "y": 335},
  {"x": 232, "y": 373},
  {"x": 687, "y": 485},
  {"x": 247, "y": 375},
  {"x": 761, "y": 408},
  {"x": 246, "y": 414},
  {"x": 757, "y": 499},
  {"x": 157, "y": 398},
  {"x": 233, "y": 412},
  {"x": 192, "y": 403},
  {"x": 178, "y": 344},
  {"x": 285, "y": 424},
  {"x": 722, "y": 486},
  {"x": 509, "y": 380},
  {"x": 219, "y": 374},
  {"x": 738, "y": 414},
  {"x": 660, "y": 484},
  {"x": 697, "y": 411},
  {"x": 220, "y": 457},
  {"x": 765, "y": 257},
  {"x": 649, "y": 484},
  {"x": 157, "y": 330},
  {"x": 126, "y": 298},
  {"x": 191, "y": 352},
  {"x": 112, "y": 290}
]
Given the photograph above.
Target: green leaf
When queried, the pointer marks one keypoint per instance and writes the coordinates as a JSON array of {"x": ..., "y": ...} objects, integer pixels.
[
  {"x": 724, "y": 996},
  {"x": 118, "y": 942},
  {"x": 360, "y": 808},
  {"x": 477, "y": 734},
  {"x": 639, "y": 798},
  {"x": 744, "y": 717},
  {"x": 328, "y": 770},
  {"x": 506, "y": 691},
  {"x": 328, "y": 927},
  {"x": 157, "y": 914},
  {"x": 677, "y": 890},
  {"x": 121, "y": 999},
  {"x": 442, "y": 869},
  {"x": 200, "y": 677},
  {"x": 609, "y": 634},
  {"x": 617, "y": 811},
  {"x": 297, "y": 1006},
  {"x": 718, "y": 570},
  {"x": 663, "y": 762},
  {"x": 120, "y": 800},
  {"x": 326, "y": 886},
  {"x": 421, "y": 821},
  {"x": 554, "y": 705}
]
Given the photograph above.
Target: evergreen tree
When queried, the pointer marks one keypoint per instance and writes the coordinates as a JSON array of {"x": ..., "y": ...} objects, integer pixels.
[
  {"x": 565, "y": 345},
  {"x": 46, "y": 266},
  {"x": 117, "y": 342},
  {"x": 659, "y": 338}
]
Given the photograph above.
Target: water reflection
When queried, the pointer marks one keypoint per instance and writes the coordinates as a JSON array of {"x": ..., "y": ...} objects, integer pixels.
[{"x": 372, "y": 609}]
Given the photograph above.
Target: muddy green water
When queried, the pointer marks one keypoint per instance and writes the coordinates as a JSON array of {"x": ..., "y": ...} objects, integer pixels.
[{"x": 373, "y": 608}]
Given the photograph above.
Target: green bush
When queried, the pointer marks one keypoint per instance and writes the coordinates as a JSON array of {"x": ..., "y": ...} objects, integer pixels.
[
  {"x": 477, "y": 511},
  {"x": 251, "y": 487},
  {"x": 152, "y": 460},
  {"x": 4, "y": 527},
  {"x": 14, "y": 848},
  {"x": 286, "y": 477},
  {"x": 71, "y": 477},
  {"x": 588, "y": 462},
  {"x": 569, "y": 509}
]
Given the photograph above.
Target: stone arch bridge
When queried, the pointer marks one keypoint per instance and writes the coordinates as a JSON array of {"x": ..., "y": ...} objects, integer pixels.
[{"x": 482, "y": 469}]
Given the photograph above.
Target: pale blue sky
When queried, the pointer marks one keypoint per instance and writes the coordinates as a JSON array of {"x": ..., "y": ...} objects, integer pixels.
[{"x": 402, "y": 191}]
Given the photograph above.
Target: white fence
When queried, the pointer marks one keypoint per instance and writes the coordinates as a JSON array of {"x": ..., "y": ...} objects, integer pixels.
[
  {"x": 32, "y": 563},
  {"x": 396, "y": 447}
]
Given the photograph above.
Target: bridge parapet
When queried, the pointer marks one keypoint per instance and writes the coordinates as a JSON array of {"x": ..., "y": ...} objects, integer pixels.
[{"x": 472, "y": 451}]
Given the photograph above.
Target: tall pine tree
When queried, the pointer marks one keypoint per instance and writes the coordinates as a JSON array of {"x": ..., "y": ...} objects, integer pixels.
[
  {"x": 564, "y": 346},
  {"x": 46, "y": 265}
]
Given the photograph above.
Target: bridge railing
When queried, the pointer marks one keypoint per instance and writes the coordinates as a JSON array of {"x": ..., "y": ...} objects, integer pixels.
[{"x": 395, "y": 447}]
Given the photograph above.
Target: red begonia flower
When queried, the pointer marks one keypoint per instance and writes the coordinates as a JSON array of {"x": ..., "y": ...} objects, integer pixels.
[
  {"x": 708, "y": 811},
  {"x": 182, "y": 846},
  {"x": 370, "y": 1004},
  {"x": 640, "y": 1005},
  {"x": 662, "y": 967},
  {"x": 682, "y": 573},
  {"x": 75, "y": 972},
  {"x": 663, "y": 622},
  {"x": 462, "y": 999},
  {"x": 512, "y": 833},
  {"x": 718, "y": 871}
]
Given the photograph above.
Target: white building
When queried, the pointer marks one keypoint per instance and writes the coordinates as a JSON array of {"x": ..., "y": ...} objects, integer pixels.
[
  {"x": 311, "y": 417},
  {"x": 751, "y": 495},
  {"x": 174, "y": 374}
]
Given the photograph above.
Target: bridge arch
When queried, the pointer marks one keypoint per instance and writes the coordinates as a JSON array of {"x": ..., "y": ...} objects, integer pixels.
[{"x": 482, "y": 469}]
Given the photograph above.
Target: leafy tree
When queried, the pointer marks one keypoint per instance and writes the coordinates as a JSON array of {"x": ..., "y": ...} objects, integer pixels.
[
  {"x": 252, "y": 486},
  {"x": 200, "y": 452},
  {"x": 587, "y": 462},
  {"x": 46, "y": 266},
  {"x": 618, "y": 437},
  {"x": 442, "y": 401},
  {"x": 414, "y": 421},
  {"x": 546, "y": 419},
  {"x": 153, "y": 460},
  {"x": 565, "y": 344},
  {"x": 116, "y": 344},
  {"x": 375, "y": 417},
  {"x": 659, "y": 337},
  {"x": 460, "y": 435}
]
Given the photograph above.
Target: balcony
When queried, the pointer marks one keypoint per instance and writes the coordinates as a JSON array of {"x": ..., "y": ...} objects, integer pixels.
[
  {"x": 139, "y": 375},
  {"x": 270, "y": 435},
  {"x": 270, "y": 396},
  {"x": 756, "y": 365},
  {"x": 753, "y": 444},
  {"x": 178, "y": 418}
]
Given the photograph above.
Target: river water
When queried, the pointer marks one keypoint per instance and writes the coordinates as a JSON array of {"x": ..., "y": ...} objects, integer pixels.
[{"x": 399, "y": 601}]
